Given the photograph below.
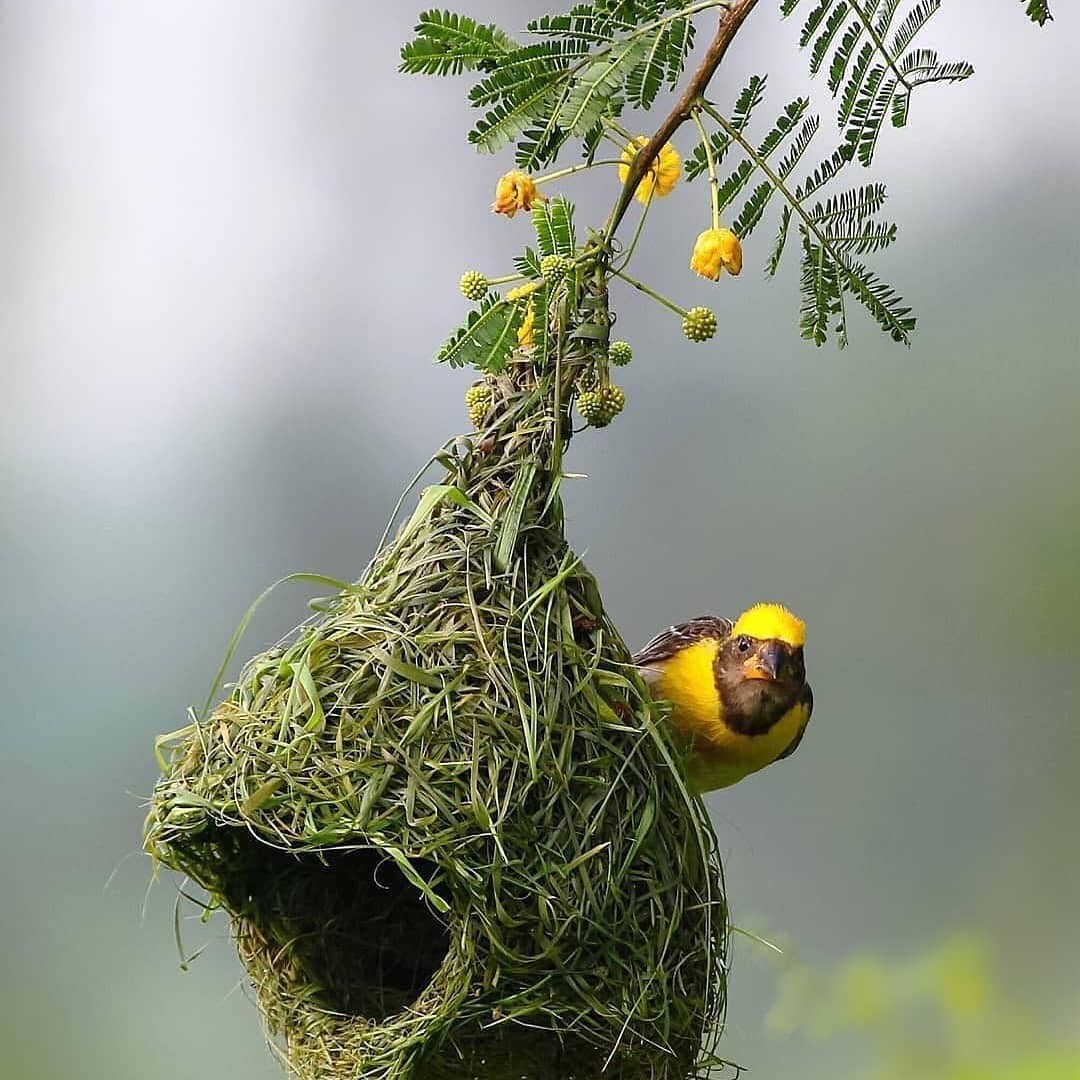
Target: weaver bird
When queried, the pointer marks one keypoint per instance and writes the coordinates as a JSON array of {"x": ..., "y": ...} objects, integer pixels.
[{"x": 739, "y": 696}]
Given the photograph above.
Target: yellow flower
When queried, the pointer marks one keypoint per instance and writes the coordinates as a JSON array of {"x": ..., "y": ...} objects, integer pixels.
[
  {"x": 515, "y": 191},
  {"x": 522, "y": 291},
  {"x": 716, "y": 250},
  {"x": 526, "y": 331},
  {"x": 662, "y": 175}
]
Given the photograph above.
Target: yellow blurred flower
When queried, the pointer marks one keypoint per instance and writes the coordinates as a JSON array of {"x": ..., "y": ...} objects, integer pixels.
[
  {"x": 526, "y": 331},
  {"x": 515, "y": 191},
  {"x": 522, "y": 291},
  {"x": 963, "y": 974},
  {"x": 662, "y": 175},
  {"x": 716, "y": 250}
]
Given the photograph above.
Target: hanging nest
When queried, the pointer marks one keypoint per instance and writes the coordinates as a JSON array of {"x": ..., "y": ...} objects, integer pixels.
[{"x": 445, "y": 817}]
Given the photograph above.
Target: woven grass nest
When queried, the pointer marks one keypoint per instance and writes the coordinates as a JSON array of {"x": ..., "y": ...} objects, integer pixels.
[{"x": 444, "y": 816}]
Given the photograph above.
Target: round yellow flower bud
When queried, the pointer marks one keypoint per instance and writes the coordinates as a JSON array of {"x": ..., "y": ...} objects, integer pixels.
[
  {"x": 716, "y": 250},
  {"x": 661, "y": 176}
]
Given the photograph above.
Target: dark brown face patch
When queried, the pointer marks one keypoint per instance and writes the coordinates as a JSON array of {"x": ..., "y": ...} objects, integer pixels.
[{"x": 753, "y": 706}]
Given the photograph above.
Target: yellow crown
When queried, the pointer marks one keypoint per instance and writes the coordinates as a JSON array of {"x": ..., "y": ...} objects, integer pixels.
[{"x": 771, "y": 621}]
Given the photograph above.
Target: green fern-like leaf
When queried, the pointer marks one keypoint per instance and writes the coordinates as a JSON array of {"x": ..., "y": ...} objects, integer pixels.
[
  {"x": 663, "y": 60},
  {"x": 917, "y": 18},
  {"x": 508, "y": 120},
  {"x": 850, "y": 208},
  {"x": 754, "y": 208},
  {"x": 853, "y": 87},
  {"x": 780, "y": 243},
  {"x": 554, "y": 224},
  {"x": 815, "y": 19},
  {"x": 737, "y": 179},
  {"x": 588, "y": 63},
  {"x": 582, "y": 23},
  {"x": 448, "y": 44},
  {"x": 750, "y": 97},
  {"x": 825, "y": 172},
  {"x": 825, "y": 39},
  {"x": 869, "y": 114},
  {"x": 883, "y": 15},
  {"x": 734, "y": 182},
  {"x": 785, "y": 122},
  {"x": 922, "y": 66},
  {"x": 871, "y": 236},
  {"x": 590, "y": 95},
  {"x": 644, "y": 80},
  {"x": 822, "y": 175},
  {"x": 538, "y": 145},
  {"x": 487, "y": 337},
  {"x": 870, "y": 66},
  {"x": 1038, "y": 11},
  {"x": 604, "y": 20},
  {"x": 826, "y": 275},
  {"x": 528, "y": 263},
  {"x": 799, "y": 145},
  {"x": 842, "y": 56},
  {"x": 820, "y": 290},
  {"x": 880, "y": 299},
  {"x": 846, "y": 221},
  {"x": 680, "y": 43},
  {"x": 592, "y": 140},
  {"x": 520, "y": 72}
]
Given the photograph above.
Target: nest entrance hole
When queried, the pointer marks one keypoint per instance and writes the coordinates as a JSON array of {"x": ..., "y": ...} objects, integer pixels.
[{"x": 345, "y": 929}]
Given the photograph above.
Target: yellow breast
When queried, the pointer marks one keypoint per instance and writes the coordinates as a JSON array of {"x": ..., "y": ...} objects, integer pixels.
[
  {"x": 717, "y": 756},
  {"x": 688, "y": 682},
  {"x": 724, "y": 761}
]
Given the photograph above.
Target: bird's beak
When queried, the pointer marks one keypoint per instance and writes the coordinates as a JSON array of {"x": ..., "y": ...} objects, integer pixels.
[{"x": 765, "y": 663}]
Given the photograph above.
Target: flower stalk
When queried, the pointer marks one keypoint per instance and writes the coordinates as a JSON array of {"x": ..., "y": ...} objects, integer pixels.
[
  {"x": 658, "y": 297},
  {"x": 714, "y": 180}
]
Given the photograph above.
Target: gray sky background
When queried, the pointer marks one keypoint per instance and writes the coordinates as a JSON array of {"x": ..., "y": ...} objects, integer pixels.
[{"x": 231, "y": 241}]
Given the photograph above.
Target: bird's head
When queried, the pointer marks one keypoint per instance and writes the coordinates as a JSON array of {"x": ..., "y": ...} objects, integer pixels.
[{"x": 763, "y": 655}]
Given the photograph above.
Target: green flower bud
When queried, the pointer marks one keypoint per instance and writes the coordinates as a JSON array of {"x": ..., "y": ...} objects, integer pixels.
[
  {"x": 478, "y": 399},
  {"x": 600, "y": 406},
  {"x": 473, "y": 285},
  {"x": 555, "y": 267},
  {"x": 699, "y": 324}
]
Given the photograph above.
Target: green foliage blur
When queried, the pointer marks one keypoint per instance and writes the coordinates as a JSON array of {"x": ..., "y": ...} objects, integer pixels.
[{"x": 943, "y": 1014}]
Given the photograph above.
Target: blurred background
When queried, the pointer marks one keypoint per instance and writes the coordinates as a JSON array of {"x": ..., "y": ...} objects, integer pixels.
[{"x": 231, "y": 242}]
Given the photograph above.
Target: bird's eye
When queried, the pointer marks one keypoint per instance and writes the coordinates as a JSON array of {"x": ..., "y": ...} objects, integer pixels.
[{"x": 744, "y": 644}]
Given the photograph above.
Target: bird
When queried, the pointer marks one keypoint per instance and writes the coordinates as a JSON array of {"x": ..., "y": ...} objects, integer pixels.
[{"x": 738, "y": 691}]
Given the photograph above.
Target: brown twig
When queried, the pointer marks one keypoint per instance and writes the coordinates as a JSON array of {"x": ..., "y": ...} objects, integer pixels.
[{"x": 730, "y": 21}]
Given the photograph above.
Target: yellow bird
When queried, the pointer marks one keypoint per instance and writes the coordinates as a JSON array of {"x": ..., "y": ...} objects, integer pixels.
[{"x": 739, "y": 696}]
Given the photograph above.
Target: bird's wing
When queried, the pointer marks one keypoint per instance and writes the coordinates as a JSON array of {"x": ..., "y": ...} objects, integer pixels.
[
  {"x": 808, "y": 701},
  {"x": 670, "y": 641}
]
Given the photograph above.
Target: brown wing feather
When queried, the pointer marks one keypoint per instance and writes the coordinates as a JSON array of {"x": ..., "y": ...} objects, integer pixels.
[{"x": 670, "y": 641}]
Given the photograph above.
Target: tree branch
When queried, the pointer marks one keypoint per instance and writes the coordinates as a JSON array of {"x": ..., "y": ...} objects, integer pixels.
[{"x": 730, "y": 21}]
